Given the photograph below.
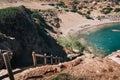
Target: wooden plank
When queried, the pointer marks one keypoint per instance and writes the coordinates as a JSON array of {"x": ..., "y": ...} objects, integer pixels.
[
  {"x": 45, "y": 59},
  {"x": 39, "y": 55},
  {"x": 8, "y": 65},
  {"x": 54, "y": 57},
  {"x": 56, "y": 60},
  {"x": 34, "y": 58},
  {"x": 48, "y": 56}
]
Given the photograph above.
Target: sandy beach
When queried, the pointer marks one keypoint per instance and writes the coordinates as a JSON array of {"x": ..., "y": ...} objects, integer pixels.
[{"x": 79, "y": 23}]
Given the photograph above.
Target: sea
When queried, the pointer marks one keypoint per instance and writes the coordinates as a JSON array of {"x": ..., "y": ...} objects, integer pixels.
[{"x": 106, "y": 39}]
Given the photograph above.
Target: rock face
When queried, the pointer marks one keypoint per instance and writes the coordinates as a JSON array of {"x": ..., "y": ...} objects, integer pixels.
[
  {"x": 20, "y": 35},
  {"x": 17, "y": 24}
]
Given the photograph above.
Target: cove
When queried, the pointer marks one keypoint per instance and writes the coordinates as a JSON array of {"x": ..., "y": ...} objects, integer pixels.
[{"x": 106, "y": 39}]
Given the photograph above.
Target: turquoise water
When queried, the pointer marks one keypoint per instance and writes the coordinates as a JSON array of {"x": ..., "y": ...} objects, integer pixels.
[{"x": 105, "y": 39}]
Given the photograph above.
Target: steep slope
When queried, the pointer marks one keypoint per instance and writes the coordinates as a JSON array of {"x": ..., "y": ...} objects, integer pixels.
[{"x": 22, "y": 36}]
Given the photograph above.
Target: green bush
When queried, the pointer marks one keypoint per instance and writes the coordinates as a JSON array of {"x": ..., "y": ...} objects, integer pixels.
[
  {"x": 66, "y": 10},
  {"x": 56, "y": 7},
  {"x": 80, "y": 13},
  {"x": 88, "y": 12},
  {"x": 74, "y": 9},
  {"x": 65, "y": 6},
  {"x": 64, "y": 42},
  {"x": 71, "y": 42},
  {"x": 80, "y": 7},
  {"x": 8, "y": 13},
  {"x": 106, "y": 10},
  {"x": 61, "y": 4},
  {"x": 117, "y": 10},
  {"x": 88, "y": 16},
  {"x": 36, "y": 15}
]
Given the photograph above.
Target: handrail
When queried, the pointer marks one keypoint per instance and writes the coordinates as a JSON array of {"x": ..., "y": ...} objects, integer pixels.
[
  {"x": 34, "y": 55},
  {"x": 6, "y": 58}
]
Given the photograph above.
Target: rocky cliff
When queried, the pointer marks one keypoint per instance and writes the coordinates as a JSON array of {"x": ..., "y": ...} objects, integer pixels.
[{"x": 21, "y": 35}]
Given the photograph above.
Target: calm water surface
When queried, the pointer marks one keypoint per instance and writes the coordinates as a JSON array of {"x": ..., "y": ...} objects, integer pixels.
[{"x": 105, "y": 39}]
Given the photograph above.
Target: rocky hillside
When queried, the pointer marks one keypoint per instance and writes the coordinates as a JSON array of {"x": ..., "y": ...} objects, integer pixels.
[
  {"x": 86, "y": 67},
  {"x": 19, "y": 34}
]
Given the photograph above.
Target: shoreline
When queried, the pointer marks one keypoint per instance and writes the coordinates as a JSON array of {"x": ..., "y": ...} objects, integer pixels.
[
  {"x": 93, "y": 49},
  {"x": 81, "y": 26},
  {"x": 93, "y": 27},
  {"x": 90, "y": 28}
]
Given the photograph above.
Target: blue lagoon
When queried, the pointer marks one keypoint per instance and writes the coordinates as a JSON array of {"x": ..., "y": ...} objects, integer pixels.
[{"x": 106, "y": 39}]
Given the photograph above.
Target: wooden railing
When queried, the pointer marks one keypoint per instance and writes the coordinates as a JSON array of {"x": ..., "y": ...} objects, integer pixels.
[
  {"x": 6, "y": 58},
  {"x": 57, "y": 59}
]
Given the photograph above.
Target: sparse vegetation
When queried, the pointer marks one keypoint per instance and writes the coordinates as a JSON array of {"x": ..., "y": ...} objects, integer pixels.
[
  {"x": 48, "y": 0},
  {"x": 71, "y": 42},
  {"x": 74, "y": 6},
  {"x": 65, "y": 76},
  {"x": 74, "y": 2},
  {"x": 61, "y": 4},
  {"x": 62, "y": 76}
]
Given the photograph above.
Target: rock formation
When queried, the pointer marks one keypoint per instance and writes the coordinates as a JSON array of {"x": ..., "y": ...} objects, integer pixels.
[{"x": 22, "y": 36}]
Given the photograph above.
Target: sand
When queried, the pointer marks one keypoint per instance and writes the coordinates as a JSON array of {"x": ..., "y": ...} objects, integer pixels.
[{"x": 73, "y": 23}]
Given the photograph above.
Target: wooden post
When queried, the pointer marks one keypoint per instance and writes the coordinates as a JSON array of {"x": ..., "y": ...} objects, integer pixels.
[
  {"x": 45, "y": 59},
  {"x": 8, "y": 65},
  {"x": 59, "y": 60},
  {"x": 56, "y": 59},
  {"x": 34, "y": 59},
  {"x": 51, "y": 59}
]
